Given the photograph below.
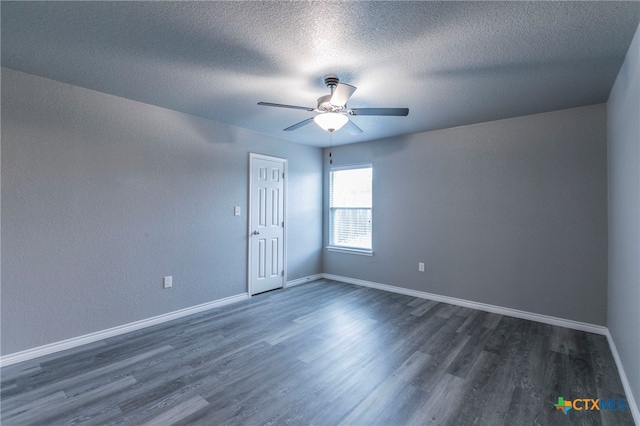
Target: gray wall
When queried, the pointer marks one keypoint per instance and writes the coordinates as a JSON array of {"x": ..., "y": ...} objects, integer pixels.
[
  {"x": 511, "y": 213},
  {"x": 102, "y": 197},
  {"x": 623, "y": 314}
]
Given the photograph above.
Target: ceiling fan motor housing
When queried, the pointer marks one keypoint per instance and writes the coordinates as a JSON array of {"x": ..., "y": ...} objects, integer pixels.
[
  {"x": 324, "y": 102},
  {"x": 325, "y": 105}
]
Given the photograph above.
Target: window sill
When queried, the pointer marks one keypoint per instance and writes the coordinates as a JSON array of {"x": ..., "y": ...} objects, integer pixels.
[{"x": 361, "y": 252}]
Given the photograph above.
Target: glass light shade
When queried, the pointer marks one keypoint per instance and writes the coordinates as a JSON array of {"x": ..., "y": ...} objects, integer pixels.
[{"x": 331, "y": 121}]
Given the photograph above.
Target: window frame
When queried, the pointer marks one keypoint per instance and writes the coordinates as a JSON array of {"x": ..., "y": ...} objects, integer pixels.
[{"x": 346, "y": 249}]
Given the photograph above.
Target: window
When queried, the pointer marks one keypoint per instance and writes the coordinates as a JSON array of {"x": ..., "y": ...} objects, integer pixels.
[{"x": 350, "y": 209}]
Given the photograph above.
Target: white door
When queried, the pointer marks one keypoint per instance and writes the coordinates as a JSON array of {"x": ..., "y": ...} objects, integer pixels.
[{"x": 266, "y": 224}]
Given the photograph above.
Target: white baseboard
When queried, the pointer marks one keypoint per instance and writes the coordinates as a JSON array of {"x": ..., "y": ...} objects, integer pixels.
[
  {"x": 303, "y": 280},
  {"x": 138, "y": 325},
  {"x": 546, "y": 319},
  {"x": 115, "y": 331},
  {"x": 625, "y": 382}
]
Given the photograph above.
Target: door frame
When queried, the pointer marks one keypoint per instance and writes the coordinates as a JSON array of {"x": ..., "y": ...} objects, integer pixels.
[{"x": 250, "y": 265}]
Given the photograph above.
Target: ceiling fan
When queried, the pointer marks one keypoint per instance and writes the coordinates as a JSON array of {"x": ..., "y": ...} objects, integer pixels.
[{"x": 333, "y": 110}]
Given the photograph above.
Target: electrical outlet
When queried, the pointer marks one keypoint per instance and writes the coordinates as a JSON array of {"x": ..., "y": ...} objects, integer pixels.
[
  {"x": 421, "y": 267},
  {"x": 167, "y": 282}
]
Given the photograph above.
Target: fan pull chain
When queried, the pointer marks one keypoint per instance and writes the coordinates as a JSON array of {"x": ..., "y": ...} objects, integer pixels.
[{"x": 330, "y": 147}]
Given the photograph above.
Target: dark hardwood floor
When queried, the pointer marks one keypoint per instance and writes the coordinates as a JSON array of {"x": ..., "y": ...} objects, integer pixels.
[{"x": 323, "y": 353}]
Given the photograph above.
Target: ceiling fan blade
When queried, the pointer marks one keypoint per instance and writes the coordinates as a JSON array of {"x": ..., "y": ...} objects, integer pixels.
[
  {"x": 352, "y": 128},
  {"x": 341, "y": 94},
  {"x": 399, "y": 112},
  {"x": 298, "y": 125},
  {"x": 286, "y": 106}
]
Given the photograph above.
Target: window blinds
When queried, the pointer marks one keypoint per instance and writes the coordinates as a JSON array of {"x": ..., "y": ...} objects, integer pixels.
[{"x": 350, "y": 207}]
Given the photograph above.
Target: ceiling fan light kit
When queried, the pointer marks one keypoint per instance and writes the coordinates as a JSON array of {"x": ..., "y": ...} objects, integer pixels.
[
  {"x": 333, "y": 110},
  {"x": 331, "y": 121}
]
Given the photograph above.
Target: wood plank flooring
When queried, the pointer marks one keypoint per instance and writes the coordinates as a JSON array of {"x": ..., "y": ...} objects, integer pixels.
[{"x": 322, "y": 353}]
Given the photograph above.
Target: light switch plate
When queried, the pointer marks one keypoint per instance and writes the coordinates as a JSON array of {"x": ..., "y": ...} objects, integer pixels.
[
  {"x": 236, "y": 211},
  {"x": 167, "y": 282}
]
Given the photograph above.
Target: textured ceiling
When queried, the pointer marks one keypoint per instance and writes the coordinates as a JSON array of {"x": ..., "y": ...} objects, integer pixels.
[{"x": 451, "y": 63}]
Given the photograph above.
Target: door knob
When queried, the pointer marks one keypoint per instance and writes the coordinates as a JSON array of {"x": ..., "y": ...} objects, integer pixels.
[{"x": 256, "y": 233}]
